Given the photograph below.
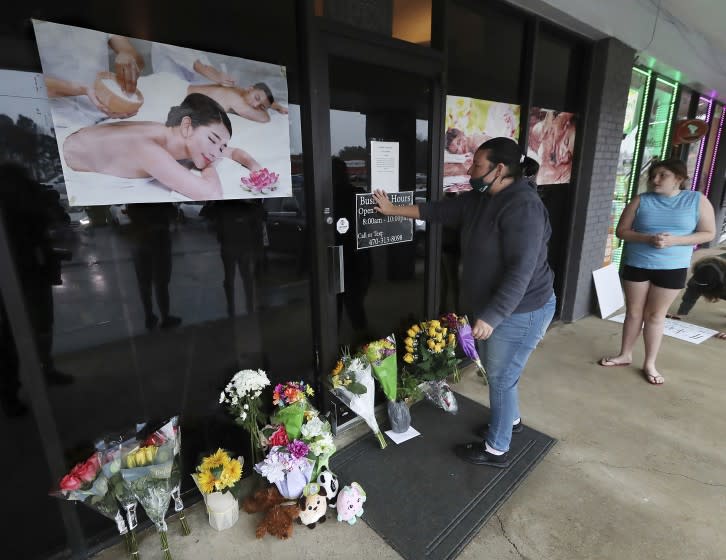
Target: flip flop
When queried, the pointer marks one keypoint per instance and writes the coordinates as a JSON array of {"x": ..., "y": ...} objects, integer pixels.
[
  {"x": 653, "y": 379},
  {"x": 603, "y": 362}
]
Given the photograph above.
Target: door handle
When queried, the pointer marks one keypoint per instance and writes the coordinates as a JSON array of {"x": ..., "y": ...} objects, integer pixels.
[{"x": 336, "y": 274}]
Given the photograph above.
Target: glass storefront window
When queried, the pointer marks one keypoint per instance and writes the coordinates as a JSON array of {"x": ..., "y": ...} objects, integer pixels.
[
  {"x": 632, "y": 128},
  {"x": 696, "y": 150},
  {"x": 714, "y": 141},
  {"x": 657, "y": 135}
]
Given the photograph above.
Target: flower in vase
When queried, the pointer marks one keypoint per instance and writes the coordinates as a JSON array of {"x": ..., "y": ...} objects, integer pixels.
[{"x": 218, "y": 459}]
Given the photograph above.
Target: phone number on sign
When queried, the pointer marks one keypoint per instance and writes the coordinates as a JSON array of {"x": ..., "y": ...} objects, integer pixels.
[{"x": 385, "y": 239}]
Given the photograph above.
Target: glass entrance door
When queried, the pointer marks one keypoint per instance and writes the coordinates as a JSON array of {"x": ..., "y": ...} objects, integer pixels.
[{"x": 382, "y": 285}]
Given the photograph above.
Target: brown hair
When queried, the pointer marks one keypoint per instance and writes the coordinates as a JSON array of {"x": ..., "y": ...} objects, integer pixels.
[{"x": 675, "y": 166}]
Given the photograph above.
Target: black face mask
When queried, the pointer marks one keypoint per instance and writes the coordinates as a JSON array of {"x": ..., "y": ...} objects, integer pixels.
[{"x": 479, "y": 184}]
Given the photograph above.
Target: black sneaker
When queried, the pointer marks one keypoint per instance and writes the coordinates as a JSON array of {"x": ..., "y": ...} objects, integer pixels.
[
  {"x": 55, "y": 377},
  {"x": 151, "y": 322},
  {"x": 482, "y": 431},
  {"x": 476, "y": 453},
  {"x": 170, "y": 322}
]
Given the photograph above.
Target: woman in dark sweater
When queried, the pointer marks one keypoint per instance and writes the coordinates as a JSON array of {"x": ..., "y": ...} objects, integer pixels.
[{"x": 506, "y": 286}]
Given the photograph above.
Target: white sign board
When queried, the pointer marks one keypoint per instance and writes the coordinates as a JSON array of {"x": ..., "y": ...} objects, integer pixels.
[
  {"x": 608, "y": 288},
  {"x": 679, "y": 329},
  {"x": 384, "y": 166}
]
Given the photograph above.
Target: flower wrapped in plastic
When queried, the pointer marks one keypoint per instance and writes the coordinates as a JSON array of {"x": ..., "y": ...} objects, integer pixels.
[
  {"x": 87, "y": 483},
  {"x": 176, "y": 480},
  {"x": 288, "y": 468},
  {"x": 431, "y": 351},
  {"x": 110, "y": 453},
  {"x": 262, "y": 181},
  {"x": 146, "y": 469},
  {"x": 460, "y": 325},
  {"x": 291, "y": 400},
  {"x": 353, "y": 384},
  {"x": 242, "y": 396},
  {"x": 217, "y": 477},
  {"x": 440, "y": 394},
  {"x": 382, "y": 356},
  {"x": 318, "y": 436}
]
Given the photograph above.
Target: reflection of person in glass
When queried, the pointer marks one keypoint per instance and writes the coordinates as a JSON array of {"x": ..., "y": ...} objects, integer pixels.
[
  {"x": 356, "y": 264},
  {"x": 198, "y": 131},
  {"x": 152, "y": 258},
  {"x": 660, "y": 228},
  {"x": 239, "y": 231},
  {"x": 506, "y": 284},
  {"x": 29, "y": 211}
]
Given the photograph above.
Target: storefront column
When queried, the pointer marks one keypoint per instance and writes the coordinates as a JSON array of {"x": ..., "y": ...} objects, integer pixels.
[{"x": 607, "y": 94}]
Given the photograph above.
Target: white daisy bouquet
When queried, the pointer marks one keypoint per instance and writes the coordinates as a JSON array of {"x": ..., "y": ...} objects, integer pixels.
[
  {"x": 317, "y": 435},
  {"x": 242, "y": 399}
]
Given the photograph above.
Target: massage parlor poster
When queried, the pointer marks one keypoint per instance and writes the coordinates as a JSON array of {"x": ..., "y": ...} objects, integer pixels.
[
  {"x": 138, "y": 121},
  {"x": 552, "y": 143},
  {"x": 470, "y": 123}
]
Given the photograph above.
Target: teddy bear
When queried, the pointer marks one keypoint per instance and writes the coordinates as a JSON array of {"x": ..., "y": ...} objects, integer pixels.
[
  {"x": 278, "y": 521},
  {"x": 328, "y": 481},
  {"x": 313, "y": 505},
  {"x": 350, "y": 503},
  {"x": 279, "y": 512},
  {"x": 263, "y": 500}
]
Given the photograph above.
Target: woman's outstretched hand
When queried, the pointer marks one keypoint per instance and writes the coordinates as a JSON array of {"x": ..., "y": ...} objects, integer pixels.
[{"x": 383, "y": 205}]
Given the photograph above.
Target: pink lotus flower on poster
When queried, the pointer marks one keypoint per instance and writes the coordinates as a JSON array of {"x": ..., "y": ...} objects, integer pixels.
[{"x": 260, "y": 182}]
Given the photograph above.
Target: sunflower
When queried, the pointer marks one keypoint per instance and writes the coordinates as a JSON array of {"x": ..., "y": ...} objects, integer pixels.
[
  {"x": 231, "y": 473},
  {"x": 207, "y": 482},
  {"x": 218, "y": 459}
]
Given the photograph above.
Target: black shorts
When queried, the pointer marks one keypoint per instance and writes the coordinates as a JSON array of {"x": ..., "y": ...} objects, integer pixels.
[{"x": 672, "y": 279}]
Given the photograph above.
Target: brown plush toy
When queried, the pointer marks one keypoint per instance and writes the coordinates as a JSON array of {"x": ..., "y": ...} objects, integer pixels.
[
  {"x": 279, "y": 512},
  {"x": 278, "y": 521},
  {"x": 263, "y": 500}
]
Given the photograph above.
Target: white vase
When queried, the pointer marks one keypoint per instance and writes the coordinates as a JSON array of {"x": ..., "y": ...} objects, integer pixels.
[{"x": 223, "y": 510}]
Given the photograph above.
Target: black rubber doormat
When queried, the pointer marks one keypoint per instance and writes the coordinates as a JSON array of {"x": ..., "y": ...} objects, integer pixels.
[{"x": 421, "y": 498}]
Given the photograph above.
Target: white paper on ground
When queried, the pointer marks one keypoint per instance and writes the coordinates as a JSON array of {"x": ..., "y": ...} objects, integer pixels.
[
  {"x": 678, "y": 329},
  {"x": 403, "y": 436},
  {"x": 609, "y": 291}
]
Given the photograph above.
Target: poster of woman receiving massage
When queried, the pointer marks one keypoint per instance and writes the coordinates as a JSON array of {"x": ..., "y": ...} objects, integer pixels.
[
  {"x": 138, "y": 121},
  {"x": 469, "y": 123},
  {"x": 552, "y": 144}
]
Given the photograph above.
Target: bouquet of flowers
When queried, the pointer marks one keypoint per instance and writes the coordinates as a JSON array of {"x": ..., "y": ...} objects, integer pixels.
[
  {"x": 291, "y": 400},
  {"x": 288, "y": 468},
  {"x": 176, "y": 480},
  {"x": 262, "y": 181},
  {"x": 217, "y": 478},
  {"x": 430, "y": 351},
  {"x": 87, "y": 483},
  {"x": 110, "y": 451},
  {"x": 382, "y": 356},
  {"x": 355, "y": 372},
  {"x": 459, "y": 324},
  {"x": 146, "y": 469},
  {"x": 242, "y": 397},
  {"x": 317, "y": 435}
]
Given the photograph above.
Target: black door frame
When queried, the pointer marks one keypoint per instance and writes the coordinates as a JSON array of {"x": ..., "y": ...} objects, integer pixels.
[{"x": 319, "y": 39}]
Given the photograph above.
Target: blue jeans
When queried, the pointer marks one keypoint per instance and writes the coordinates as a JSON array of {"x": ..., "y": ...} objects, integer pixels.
[{"x": 504, "y": 355}]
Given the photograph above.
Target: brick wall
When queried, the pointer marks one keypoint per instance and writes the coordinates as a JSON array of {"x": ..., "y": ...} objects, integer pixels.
[{"x": 601, "y": 135}]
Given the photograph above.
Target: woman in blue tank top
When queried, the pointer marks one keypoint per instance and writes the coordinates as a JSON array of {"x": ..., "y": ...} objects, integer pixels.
[{"x": 660, "y": 228}]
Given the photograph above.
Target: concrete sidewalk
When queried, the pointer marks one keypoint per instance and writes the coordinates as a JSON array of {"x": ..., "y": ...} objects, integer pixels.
[{"x": 639, "y": 471}]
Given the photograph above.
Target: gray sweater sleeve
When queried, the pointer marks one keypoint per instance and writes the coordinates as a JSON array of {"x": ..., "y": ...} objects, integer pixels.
[
  {"x": 448, "y": 211},
  {"x": 522, "y": 229}
]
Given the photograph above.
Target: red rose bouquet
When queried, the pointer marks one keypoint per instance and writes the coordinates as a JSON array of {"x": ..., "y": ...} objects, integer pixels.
[{"x": 87, "y": 483}]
